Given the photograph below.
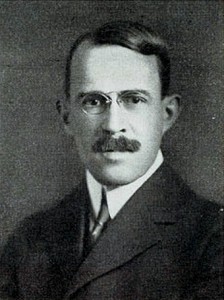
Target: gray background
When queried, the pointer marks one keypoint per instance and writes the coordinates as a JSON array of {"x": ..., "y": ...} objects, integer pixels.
[{"x": 39, "y": 162}]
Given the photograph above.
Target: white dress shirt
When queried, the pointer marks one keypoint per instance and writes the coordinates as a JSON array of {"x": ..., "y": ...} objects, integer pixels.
[{"x": 117, "y": 197}]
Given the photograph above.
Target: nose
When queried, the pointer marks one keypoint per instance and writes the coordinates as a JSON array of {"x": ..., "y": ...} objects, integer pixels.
[{"x": 114, "y": 119}]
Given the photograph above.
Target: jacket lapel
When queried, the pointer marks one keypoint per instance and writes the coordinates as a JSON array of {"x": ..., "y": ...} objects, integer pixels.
[{"x": 134, "y": 230}]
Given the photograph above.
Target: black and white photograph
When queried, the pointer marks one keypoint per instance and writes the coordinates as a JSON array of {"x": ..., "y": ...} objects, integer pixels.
[{"x": 111, "y": 150}]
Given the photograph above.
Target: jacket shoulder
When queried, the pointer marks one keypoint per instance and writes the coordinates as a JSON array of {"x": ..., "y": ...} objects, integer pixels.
[
  {"x": 58, "y": 220},
  {"x": 38, "y": 244},
  {"x": 178, "y": 190}
]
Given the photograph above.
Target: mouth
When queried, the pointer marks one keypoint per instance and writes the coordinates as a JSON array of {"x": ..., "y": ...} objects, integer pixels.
[
  {"x": 114, "y": 150},
  {"x": 112, "y": 156}
]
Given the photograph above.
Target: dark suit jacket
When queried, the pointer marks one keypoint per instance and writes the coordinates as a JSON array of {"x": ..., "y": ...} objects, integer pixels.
[{"x": 164, "y": 244}]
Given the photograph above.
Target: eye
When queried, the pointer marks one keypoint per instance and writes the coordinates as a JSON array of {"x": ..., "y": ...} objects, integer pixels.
[
  {"x": 94, "y": 100},
  {"x": 133, "y": 99},
  {"x": 136, "y": 99}
]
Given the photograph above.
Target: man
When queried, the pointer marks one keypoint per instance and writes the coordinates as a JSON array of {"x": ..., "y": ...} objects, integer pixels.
[{"x": 132, "y": 229}]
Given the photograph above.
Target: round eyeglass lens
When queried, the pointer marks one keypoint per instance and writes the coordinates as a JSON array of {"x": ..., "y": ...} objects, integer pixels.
[{"x": 94, "y": 103}]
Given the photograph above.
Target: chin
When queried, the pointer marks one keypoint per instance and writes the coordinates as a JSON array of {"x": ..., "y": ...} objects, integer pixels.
[
  {"x": 114, "y": 178},
  {"x": 116, "y": 172}
]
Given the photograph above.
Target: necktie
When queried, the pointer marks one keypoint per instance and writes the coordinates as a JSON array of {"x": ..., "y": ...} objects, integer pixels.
[{"x": 102, "y": 218}]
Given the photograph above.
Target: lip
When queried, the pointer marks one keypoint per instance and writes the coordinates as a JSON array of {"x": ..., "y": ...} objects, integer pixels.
[{"x": 114, "y": 156}]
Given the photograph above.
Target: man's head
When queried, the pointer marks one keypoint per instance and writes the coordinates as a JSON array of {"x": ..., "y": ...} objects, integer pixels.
[{"x": 117, "y": 106}]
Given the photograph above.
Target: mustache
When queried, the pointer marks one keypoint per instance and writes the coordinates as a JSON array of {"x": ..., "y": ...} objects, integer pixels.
[{"x": 121, "y": 144}]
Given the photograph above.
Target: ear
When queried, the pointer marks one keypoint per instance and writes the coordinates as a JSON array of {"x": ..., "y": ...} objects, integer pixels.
[
  {"x": 171, "y": 110},
  {"x": 63, "y": 111}
]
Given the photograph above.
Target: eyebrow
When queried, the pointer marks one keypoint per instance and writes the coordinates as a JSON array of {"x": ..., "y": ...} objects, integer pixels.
[{"x": 135, "y": 91}]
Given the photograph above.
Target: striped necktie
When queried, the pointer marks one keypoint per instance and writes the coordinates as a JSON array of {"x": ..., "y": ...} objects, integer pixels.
[{"x": 102, "y": 218}]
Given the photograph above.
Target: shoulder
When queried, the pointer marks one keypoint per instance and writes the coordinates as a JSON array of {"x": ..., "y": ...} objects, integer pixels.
[
  {"x": 176, "y": 187},
  {"x": 52, "y": 223},
  {"x": 192, "y": 209}
]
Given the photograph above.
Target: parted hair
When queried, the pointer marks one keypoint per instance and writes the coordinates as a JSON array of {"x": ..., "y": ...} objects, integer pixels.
[{"x": 132, "y": 35}]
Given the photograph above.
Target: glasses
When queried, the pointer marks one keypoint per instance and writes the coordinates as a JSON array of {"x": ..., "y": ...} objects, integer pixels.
[{"x": 95, "y": 103}]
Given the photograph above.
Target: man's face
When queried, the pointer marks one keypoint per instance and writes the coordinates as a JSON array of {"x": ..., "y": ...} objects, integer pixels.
[{"x": 116, "y": 70}]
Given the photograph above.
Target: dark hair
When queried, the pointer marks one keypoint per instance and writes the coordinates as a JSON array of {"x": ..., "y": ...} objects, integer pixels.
[{"x": 127, "y": 34}]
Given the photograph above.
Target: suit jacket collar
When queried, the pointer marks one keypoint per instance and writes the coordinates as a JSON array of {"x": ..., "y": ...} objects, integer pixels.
[{"x": 134, "y": 229}]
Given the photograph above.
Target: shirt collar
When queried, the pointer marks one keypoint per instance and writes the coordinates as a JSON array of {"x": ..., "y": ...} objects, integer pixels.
[{"x": 117, "y": 197}]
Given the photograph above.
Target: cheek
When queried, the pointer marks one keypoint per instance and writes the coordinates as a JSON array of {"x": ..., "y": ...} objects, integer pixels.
[
  {"x": 148, "y": 127},
  {"x": 83, "y": 129}
]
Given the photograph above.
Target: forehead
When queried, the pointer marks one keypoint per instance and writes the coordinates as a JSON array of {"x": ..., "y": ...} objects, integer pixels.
[{"x": 112, "y": 68}]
